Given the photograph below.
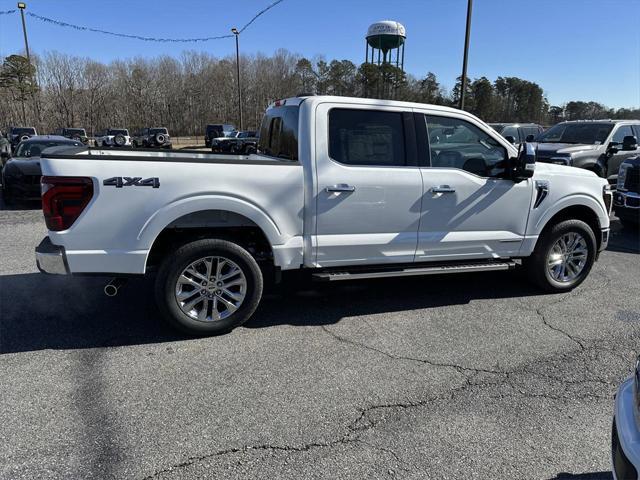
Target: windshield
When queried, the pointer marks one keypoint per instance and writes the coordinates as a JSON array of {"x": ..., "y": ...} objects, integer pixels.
[
  {"x": 582, "y": 133},
  {"x": 153, "y": 131},
  {"x": 23, "y": 131},
  {"x": 117, "y": 131},
  {"x": 34, "y": 149}
]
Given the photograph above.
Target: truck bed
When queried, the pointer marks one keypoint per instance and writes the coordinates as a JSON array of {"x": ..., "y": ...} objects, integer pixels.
[{"x": 138, "y": 193}]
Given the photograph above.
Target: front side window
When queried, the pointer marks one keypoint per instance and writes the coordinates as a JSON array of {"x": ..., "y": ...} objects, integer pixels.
[
  {"x": 366, "y": 137},
  {"x": 456, "y": 143},
  {"x": 510, "y": 131},
  {"x": 622, "y": 132}
]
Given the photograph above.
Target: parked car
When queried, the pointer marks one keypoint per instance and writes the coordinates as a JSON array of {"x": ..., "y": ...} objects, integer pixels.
[
  {"x": 626, "y": 199},
  {"x": 217, "y": 130},
  {"x": 237, "y": 143},
  {"x": 17, "y": 134},
  {"x": 517, "y": 133},
  {"x": 341, "y": 188},
  {"x": 157, "y": 137},
  {"x": 78, "y": 134},
  {"x": 596, "y": 145},
  {"x": 21, "y": 174},
  {"x": 5, "y": 150},
  {"x": 113, "y": 137},
  {"x": 625, "y": 432}
]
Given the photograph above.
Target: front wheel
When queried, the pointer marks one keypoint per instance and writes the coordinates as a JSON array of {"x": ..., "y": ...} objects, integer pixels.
[
  {"x": 563, "y": 256},
  {"x": 208, "y": 287}
]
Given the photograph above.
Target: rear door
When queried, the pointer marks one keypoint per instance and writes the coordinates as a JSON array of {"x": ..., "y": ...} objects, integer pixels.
[
  {"x": 470, "y": 209},
  {"x": 368, "y": 183}
]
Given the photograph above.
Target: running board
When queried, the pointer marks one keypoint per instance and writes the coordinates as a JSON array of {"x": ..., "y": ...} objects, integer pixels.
[{"x": 411, "y": 271}]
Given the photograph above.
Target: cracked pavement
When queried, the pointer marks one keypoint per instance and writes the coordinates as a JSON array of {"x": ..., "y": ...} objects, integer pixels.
[{"x": 474, "y": 376}]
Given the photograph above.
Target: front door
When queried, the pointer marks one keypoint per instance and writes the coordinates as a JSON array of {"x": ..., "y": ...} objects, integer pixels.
[
  {"x": 367, "y": 193},
  {"x": 470, "y": 210},
  {"x": 616, "y": 159}
]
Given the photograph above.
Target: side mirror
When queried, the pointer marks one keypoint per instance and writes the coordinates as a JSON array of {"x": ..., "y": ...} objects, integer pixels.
[
  {"x": 530, "y": 138},
  {"x": 629, "y": 143},
  {"x": 525, "y": 164},
  {"x": 511, "y": 139}
]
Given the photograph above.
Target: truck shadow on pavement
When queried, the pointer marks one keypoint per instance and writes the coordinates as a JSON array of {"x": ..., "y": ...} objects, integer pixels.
[{"x": 48, "y": 312}]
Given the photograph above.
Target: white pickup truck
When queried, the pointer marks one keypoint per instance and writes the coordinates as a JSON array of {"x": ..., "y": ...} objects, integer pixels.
[{"x": 342, "y": 188}]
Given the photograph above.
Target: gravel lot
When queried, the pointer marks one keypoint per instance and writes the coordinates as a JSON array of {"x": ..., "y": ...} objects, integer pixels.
[{"x": 475, "y": 376}]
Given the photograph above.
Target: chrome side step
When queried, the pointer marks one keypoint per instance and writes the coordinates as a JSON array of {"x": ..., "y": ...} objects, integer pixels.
[{"x": 411, "y": 271}]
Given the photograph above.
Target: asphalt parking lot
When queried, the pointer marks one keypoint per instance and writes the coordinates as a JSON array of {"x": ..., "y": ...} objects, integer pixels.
[{"x": 476, "y": 376}]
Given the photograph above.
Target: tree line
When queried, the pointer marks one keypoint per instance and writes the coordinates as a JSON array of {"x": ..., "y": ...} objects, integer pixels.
[{"x": 185, "y": 93}]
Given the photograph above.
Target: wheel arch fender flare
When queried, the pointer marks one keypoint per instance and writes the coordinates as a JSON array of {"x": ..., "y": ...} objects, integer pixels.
[
  {"x": 165, "y": 216},
  {"x": 564, "y": 204}
]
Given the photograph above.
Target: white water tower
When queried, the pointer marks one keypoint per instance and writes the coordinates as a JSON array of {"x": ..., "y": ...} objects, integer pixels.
[{"x": 386, "y": 38}]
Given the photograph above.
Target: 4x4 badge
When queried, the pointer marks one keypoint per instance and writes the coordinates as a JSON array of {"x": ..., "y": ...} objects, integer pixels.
[{"x": 120, "y": 182}]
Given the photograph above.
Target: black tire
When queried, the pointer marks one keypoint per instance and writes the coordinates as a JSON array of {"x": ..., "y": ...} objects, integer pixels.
[
  {"x": 536, "y": 265},
  {"x": 175, "y": 264}
]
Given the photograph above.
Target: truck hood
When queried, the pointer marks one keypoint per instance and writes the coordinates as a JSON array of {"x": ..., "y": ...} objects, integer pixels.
[
  {"x": 553, "y": 169},
  {"x": 564, "y": 148}
]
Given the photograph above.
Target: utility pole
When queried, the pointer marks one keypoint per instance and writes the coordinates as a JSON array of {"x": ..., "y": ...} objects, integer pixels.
[
  {"x": 237, "y": 34},
  {"x": 22, "y": 6},
  {"x": 463, "y": 88}
]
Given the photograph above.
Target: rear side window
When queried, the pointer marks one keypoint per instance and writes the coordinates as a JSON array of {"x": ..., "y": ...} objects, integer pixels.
[
  {"x": 279, "y": 133},
  {"x": 366, "y": 137}
]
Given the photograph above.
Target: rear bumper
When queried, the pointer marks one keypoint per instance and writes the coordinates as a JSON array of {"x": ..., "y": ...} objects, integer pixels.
[
  {"x": 625, "y": 436},
  {"x": 51, "y": 258}
]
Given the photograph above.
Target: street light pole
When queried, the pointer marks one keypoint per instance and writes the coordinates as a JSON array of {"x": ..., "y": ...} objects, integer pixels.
[
  {"x": 22, "y": 6},
  {"x": 237, "y": 34},
  {"x": 463, "y": 88}
]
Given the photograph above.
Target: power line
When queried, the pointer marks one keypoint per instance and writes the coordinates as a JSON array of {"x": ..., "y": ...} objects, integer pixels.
[
  {"x": 7, "y": 12},
  {"x": 146, "y": 39}
]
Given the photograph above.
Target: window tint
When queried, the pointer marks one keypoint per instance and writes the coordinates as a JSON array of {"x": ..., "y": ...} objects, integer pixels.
[
  {"x": 455, "y": 143},
  {"x": 513, "y": 131},
  {"x": 622, "y": 132},
  {"x": 531, "y": 131},
  {"x": 366, "y": 137},
  {"x": 279, "y": 133}
]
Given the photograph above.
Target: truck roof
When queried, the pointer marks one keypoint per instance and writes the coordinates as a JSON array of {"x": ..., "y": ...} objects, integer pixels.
[{"x": 295, "y": 101}]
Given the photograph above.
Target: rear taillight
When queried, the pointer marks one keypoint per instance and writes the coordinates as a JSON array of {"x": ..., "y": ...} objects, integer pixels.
[{"x": 64, "y": 199}]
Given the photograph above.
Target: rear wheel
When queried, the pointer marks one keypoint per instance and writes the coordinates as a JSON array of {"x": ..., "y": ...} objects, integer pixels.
[
  {"x": 563, "y": 256},
  {"x": 208, "y": 287}
]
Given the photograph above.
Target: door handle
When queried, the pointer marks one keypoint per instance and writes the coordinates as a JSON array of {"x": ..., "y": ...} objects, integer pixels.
[
  {"x": 442, "y": 189},
  {"x": 341, "y": 187}
]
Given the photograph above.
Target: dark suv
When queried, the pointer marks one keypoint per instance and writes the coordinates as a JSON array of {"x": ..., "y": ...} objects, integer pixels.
[
  {"x": 78, "y": 134},
  {"x": 17, "y": 134},
  {"x": 217, "y": 130},
  {"x": 156, "y": 137},
  {"x": 518, "y": 133},
  {"x": 596, "y": 145},
  {"x": 626, "y": 199}
]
